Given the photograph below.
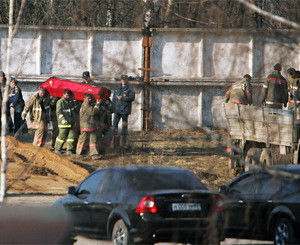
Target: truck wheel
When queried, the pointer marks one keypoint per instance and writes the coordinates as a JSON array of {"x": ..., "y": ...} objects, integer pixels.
[
  {"x": 265, "y": 157},
  {"x": 252, "y": 157}
]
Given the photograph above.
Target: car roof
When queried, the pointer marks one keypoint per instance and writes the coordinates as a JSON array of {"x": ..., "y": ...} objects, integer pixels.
[
  {"x": 142, "y": 167},
  {"x": 290, "y": 169}
]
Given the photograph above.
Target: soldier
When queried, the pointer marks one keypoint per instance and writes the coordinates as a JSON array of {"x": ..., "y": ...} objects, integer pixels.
[
  {"x": 38, "y": 106},
  {"x": 53, "y": 118},
  {"x": 240, "y": 92},
  {"x": 16, "y": 102},
  {"x": 104, "y": 120},
  {"x": 293, "y": 86},
  {"x": 275, "y": 90},
  {"x": 122, "y": 99},
  {"x": 65, "y": 112},
  {"x": 87, "y": 78},
  {"x": 88, "y": 133}
]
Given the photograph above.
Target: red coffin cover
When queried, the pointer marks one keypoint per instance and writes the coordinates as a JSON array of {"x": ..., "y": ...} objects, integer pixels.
[{"x": 56, "y": 86}]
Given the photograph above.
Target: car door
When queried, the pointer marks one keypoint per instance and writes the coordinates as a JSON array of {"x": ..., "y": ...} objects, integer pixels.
[
  {"x": 239, "y": 204},
  {"x": 79, "y": 204},
  {"x": 105, "y": 200}
]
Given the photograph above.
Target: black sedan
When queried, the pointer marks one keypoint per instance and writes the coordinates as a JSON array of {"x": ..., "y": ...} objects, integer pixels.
[
  {"x": 145, "y": 205},
  {"x": 264, "y": 204}
]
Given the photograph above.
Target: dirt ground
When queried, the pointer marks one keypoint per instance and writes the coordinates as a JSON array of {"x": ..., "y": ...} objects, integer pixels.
[{"x": 35, "y": 170}]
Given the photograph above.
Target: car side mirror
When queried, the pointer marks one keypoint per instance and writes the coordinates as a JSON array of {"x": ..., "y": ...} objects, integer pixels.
[
  {"x": 222, "y": 189},
  {"x": 71, "y": 190}
]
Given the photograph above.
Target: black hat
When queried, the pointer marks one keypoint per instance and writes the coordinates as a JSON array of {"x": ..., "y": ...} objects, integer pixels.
[
  {"x": 277, "y": 67},
  {"x": 124, "y": 77},
  {"x": 12, "y": 79},
  {"x": 2, "y": 74},
  {"x": 85, "y": 74}
]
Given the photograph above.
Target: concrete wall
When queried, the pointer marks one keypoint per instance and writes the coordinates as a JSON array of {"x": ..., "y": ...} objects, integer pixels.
[{"x": 194, "y": 66}]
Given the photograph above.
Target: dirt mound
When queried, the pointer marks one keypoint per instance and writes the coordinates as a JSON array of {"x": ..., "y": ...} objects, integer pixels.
[{"x": 29, "y": 168}]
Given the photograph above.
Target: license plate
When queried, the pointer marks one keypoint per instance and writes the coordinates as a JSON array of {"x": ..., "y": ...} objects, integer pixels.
[{"x": 186, "y": 206}]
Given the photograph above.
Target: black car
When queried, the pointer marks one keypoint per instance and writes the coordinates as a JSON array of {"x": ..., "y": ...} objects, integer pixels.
[
  {"x": 145, "y": 205},
  {"x": 264, "y": 204}
]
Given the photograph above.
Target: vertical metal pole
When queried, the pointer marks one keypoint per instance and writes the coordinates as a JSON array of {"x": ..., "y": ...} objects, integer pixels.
[
  {"x": 147, "y": 81},
  {"x": 5, "y": 97}
]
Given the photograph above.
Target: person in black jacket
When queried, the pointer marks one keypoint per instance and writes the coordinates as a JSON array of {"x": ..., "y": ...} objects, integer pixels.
[
  {"x": 15, "y": 101},
  {"x": 122, "y": 98}
]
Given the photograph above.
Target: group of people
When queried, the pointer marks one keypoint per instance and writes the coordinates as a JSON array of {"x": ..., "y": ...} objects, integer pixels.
[
  {"x": 83, "y": 126},
  {"x": 277, "y": 91}
]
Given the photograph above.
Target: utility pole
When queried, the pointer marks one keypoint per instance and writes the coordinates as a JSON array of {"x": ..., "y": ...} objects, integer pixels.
[{"x": 5, "y": 98}]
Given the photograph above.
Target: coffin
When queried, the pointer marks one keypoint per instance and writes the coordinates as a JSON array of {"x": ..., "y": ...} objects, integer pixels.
[{"x": 56, "y": 87}]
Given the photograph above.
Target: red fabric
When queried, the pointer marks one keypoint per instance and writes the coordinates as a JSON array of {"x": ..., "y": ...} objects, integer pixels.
[{"x": 56, "y": 86}]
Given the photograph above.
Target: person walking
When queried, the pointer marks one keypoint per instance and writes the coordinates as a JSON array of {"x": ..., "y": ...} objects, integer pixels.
[
  {"x": 240, "y": 92},
  {"x": 122, "y": 99},
  {"x": 88, "y": 132},
  {"x": 38, "y": 107},
  {"x": 16, "y": 102},
  {"x": 104, "y": 121},
  {"x": 65, "y": 112},
  {"x": 275, "y": 90},
  {"x": 293, "y": 86},
  {"x": 53, "y": 119}
]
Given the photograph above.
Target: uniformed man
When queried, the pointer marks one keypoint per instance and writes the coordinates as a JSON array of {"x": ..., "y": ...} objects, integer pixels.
[
  {"x": 87, "y": 78},
  {"x": 65, "y": 112},
  {"x": 240, "y": 92},
  {"x": 16, "y": 102},
  {"x": 88, "y": 132},
  {"x": 104, "y": 120},
  {"x": 293, "y": 86},
  {"x": 122, "y": 99},
  {"x": 53, "y": 119},
  {"x": 275, "y": 90},
  {"x": 38, "y": 107}
]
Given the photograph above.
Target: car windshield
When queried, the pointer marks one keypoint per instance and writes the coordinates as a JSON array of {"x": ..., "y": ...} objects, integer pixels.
[{"x": 159, "y": 179}]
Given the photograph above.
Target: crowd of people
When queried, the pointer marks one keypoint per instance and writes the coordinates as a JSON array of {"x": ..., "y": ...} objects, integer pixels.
[
  {"x": 277, "y": 91},
  {"x": 85, "y": 126}
]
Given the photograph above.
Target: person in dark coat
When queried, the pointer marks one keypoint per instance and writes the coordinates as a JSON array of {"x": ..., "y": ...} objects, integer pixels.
[
  {"x": 122, "y": 99},
  {"x": 16, "y": 102},
  {"x": 275, "y": 90}
]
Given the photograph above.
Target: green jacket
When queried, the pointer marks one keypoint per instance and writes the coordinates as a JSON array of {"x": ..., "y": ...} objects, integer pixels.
[
  {"x": 88, "y": 111},
  {"x": 38, "y": 108},
  {"x": 65, "y": 112},
  {"x": 240, "y": 92}
]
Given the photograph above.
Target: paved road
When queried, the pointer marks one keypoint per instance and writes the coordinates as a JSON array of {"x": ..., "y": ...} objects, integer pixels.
[{"x": 44, "y": 201}]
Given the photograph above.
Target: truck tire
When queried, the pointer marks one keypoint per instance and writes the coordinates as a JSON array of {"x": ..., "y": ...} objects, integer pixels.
[
  {"x": 253, "y": 157},
  {"x": 266, "y": 157}
]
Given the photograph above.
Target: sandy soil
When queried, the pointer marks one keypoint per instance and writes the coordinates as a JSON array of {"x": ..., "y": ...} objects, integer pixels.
[{"x": 34, "y": 170}]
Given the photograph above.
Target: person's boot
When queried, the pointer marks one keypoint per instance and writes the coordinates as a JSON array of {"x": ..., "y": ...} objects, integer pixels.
[
  {"x": 58, "y": 152},
  {"x": 69, "y": 153},
  {"x": 96, "y": 157}
]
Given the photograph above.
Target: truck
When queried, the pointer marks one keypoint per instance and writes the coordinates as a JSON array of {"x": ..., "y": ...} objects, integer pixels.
[{"x": 262, "y": 136}]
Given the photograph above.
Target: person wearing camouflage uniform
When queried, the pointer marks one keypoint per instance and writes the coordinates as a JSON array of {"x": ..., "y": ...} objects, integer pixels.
[
  {"x": 104, "y": 121},
  {"x": 293, "y": 86},
  {"x": 240, "y": 92},
  {"x": 88, "y": 132},
  {"x": 65, "y": 111},
  {"x": 38, "y": 107},
  {"x": 275, "y": 90}
]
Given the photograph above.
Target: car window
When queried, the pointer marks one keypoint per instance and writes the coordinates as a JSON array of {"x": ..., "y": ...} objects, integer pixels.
[
  {"x": 268, "y": 185},
  {"x": 110, "y": 187},
  {"x": 290, "y": 189},
  {"x": 145, "y": 180},
  {"x": 91, "y": 183},
  {"x": 247, "y": 185}
]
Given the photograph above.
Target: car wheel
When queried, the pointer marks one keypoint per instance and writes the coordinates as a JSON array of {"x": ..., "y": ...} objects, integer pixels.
[
  {"x": 252, "y": 157},
  {"x": 120, "y": 235},
  {"x": 284, "y": 232},
  {"x": 265, "y": 157}
]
